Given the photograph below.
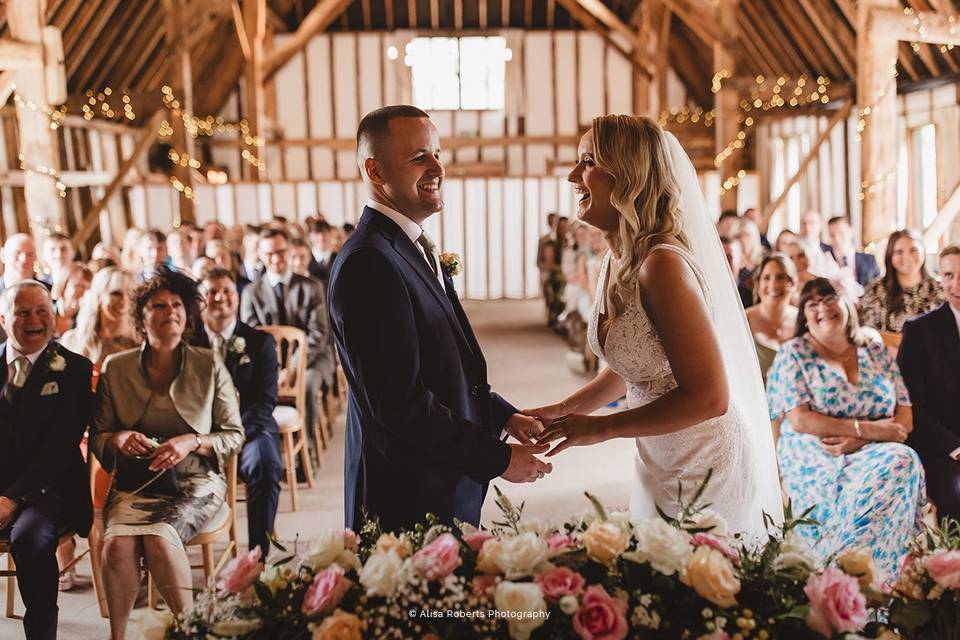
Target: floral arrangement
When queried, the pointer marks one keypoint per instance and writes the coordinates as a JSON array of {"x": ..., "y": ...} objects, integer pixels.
[
  {"x": 596, "y": 577},
  {"x": 927, "y": 593},
  {"x": 451, "y": 264}
]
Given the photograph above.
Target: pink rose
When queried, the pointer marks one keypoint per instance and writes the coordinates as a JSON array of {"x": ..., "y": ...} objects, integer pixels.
[
  {"x": 241, "y": 572},
  {"x": 600, "y": 617},
  {"x": 836, "y": 604},
  {"x": 707, "y": 540},
  {"x": 476, "y": 539},
  {"x": 326, "y": 591},
  {"x": 559, "y": 542},
  {"x": 560, "y": 582},
  {"x": 438, "y": 559},
  {"x": 351, "y": 541},
  {"x": 483, "y": 585},
  {"x": 944, "y": 568}
]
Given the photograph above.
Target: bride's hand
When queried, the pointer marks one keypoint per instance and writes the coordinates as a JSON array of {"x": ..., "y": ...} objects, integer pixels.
[
  {"x": 575, "y": 430},
  {"x": 546, "y": 414}
]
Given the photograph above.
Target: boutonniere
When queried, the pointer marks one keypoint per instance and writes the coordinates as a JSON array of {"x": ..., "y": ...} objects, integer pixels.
[
  {"x": 57, "y": 362},
  {"x": 451, "y": 264},
  {"x": 238, "y": 345}
]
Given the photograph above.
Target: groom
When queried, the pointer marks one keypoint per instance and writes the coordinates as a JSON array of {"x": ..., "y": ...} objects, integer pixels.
[{"x": 423, "y": 427}]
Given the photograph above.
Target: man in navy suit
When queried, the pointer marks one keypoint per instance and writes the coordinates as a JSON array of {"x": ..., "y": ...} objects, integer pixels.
[
  {"x": 45, "y": 405},
  {"x": 929, "y": 358},
  {"x": 862, "y": 266},
  {"x": 423, "y": 427},
  {"x": 251, "y": 358}
]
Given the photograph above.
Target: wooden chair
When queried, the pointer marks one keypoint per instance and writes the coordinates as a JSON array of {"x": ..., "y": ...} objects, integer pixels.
[
  {"x": 95, "y": 541},
  {"x": 222, "y": 528},
  {"x": 292, "y": 350},
  {"x": 10, "y": 573}
]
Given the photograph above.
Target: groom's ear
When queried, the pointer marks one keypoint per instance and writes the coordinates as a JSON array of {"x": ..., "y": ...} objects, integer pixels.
[{"x": 373, "y": 170}]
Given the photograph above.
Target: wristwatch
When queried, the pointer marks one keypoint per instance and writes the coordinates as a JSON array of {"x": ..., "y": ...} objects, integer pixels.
[{"x": 199, "y": 441}]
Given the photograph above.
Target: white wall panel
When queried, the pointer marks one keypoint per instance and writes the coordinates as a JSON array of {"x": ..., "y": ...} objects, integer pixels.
[
  {"x": 284, "y": 200},
  {"x": 331, "y": 202},
  {"x": 532, "y": 215},
  {"x": 138, "y": 206},
  {"x": 205, "y": 203},
  {"x": 226, "y": 212},
  {"x": 538, "y": 78},
  {"x": 476, "y": 244},
  {"x": 590, "y": 83},
  {"x": 565, "y": 48},
  {"x": 292, "y": 114},
  {"x": 513, "y": 238},
  {"x": 345, "y": 96},
  {"x": 495, "y": 239},
  {"x": 265, "y": 203},
  {"x": 306, "y": 200},
  {"x": 619, "y": 79},
  {"x": 320, "y": 96},
  {"x": 247, "y": 204},
  {"x": 162, "y": 206},
  {"x": 453, "y": 240},
  {"x": 371, "y": 52},
  {"x": 492, "y": 126}
]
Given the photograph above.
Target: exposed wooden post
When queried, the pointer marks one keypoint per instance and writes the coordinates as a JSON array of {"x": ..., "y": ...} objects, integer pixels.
[
  {"x": 647, "y": 42},
  {"x": 662, "y": 59},
  {"x": 726, "y": 103},
  {"x": 319, "y": 18},
  {"x": 37, "y": 151},
  {"x": 181, "y": 81},
  {"x": 877, "y": 104},
  {"x": 255, "y": 25}
]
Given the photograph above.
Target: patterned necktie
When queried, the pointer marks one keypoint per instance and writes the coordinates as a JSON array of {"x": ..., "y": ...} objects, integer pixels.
[
  {"x": 281, "y": 308},
  {"x": 21, "y": 368},
  {"x": 430, "y": 250}
]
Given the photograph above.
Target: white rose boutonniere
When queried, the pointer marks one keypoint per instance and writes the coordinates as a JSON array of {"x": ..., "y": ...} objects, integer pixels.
[
  {"x": 451, "y": 264},
  {"x": 58, "y": 363},
  {"x": 238, "y": 345}
]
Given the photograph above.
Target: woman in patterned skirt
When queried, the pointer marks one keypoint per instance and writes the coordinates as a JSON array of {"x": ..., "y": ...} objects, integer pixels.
[
  {"x": 846, "y": 414},
  {"x": 172, "y": 406}
]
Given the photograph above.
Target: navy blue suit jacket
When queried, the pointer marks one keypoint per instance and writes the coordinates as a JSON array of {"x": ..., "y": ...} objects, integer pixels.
[
  {"x": 929, "y": 358},
  {"x": 40, "y": 459},
  {"x": 423, "y": 427},
  {"x": 254, "y": 374}
]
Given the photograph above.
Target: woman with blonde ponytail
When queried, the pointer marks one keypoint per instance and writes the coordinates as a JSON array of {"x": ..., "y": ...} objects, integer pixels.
[{"x": 669, "y": 322}]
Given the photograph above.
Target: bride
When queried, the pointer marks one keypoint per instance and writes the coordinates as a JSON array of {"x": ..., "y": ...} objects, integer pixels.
[{"x": 668, "y": 321}]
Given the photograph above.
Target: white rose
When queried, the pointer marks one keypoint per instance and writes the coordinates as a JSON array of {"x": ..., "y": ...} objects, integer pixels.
[
  {"x": 153, "y": 624},
  {"x": 569, "y": 605},
  {"x": 795, "y": 553},
  {"x": 327, "y": 548},
  {"x": 381, "y": 575},
  {"x": 520, "y": 555},
  {"x": 665, "y": 547},
  {"x": 522, "y": 598},
  {"x": 537, "y": 526},
  {"x": 708, "y": 519}
]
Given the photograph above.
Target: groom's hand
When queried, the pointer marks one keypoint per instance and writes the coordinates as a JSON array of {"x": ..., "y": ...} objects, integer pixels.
[
  {"x": 523, "y": 428},
  {"x": 524, "y": 465},
  {"x": 546, "y": 414}
]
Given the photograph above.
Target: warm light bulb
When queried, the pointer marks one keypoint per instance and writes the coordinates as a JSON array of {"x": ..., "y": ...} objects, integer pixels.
[{"x": 392, "y": 53}]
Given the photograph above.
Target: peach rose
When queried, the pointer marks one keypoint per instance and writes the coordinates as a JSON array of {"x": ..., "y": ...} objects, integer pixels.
[
  {"x": 712, "y": 576},
  {"x": 836, "y": 604},
  {"x": 558, "y": 582},
  {"x": 487, "y": 558},
  {"x": 388, "y": 542},
  {"x": 859, "y": 564},
  {"x": 944, "y": 568},
  {"x": 340, "y": 626},
  {"x": 438, "y": 559},
  {"x": 241, "y": 572},
  {"x": 605, "y": 541},
  {"x": 475, "y": 539},
  {"x": 600, "y": 617},
  {"x": 326, "y": 591}
]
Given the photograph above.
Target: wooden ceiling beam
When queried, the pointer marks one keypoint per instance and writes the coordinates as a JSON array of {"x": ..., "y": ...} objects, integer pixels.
[
  {"x": 76, "y": 29},
  {"x": 776, "y": 48},
  {"x": 121, "y": 52},
  {"x": 798, "y": 28},
  {"x": 91, "y": 37},
  {"x": 319, "y": 18},
  {"x": 483, "y": 11},
  {"x": 584, "y": 17},
  {"x": 140, "y": 61},
  {"x": 609, "y": 19},
  {"x": 15, "y": 54},
  {"x": 832, "y": 33},
  {"x": 102, "y": 54},
  {"x": 698, "y": 16}
]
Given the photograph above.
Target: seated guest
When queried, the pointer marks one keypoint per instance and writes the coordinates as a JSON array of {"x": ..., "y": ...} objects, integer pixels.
[
  {"x": 153, "y": 253},
  {"x": 58, "y": 255},
  {"x": 166, "y": 406},
  {"x": 753, "y": 215},
  {"x": 219, "y": 251},
  {"x": 281, "y": 297},
  {"x": 733, "y": 250},
  {"x": 929, "y": 357},
  {"x": 846, "y": 411},
  {"x": 321, "y": 250},
  {"x": 801, "y": 253},
  {"x": 772, "y": 319},
  {"x": 861, "y": 267},
  {"x": 67, "y": 293},
  {"x": 784, "y": 239},
  {"x": 811, "y": 230},
  {"x": 179, "y": 249},
  {"x": 251, "y": 267},
  {"x": 45, "y": 405},
  {"x": 749, "y": 236},
  {"x": 251, "y": 358},
  {"x": 200, "y": 266},
  {"x": 130, "y": 250},
  {"x": 19, "y": 257},
  {"x": 300, "y": 257},
  {"x": 726, "y": 223},
  {"x": 906, "y": 289}
]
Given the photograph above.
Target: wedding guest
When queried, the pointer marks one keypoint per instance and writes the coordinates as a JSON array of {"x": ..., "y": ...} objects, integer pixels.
[
  {"x": 929, "y": 357},
  {"x": 733, "y": 250},
  {"x": 726, "y": 222},
  {"x": 801, "y": 253},
  {"x": 784, "y": 239},
  {"x": 753, "y": 215},
  {"x": 58, "y": 255},
  {"x": 44, "y": 407},
  {"x": 153, "y": 253},
  {"x": 66, "y": 295},
  {"x": 772, "y": 319},
  {"x": 130, "y": 250},
  {"x": 176, "y": 405},
  {"x": 862, "y": 267},
  {"x": 179, "y": 249},
  {"x": 321, "y": 250},
  {"x": 906, "y": 290},
  {"x": 252, "y": 268},
  {"x": 574, "y": 264},
  {"x": 200, "y": 266},
  {"x": 300, "y": 257},
  {"x": 548, "y": 260},
  {"x": 811, "y": 230},
  {"x": 846, "y": 412},
  {"x": 19, "y": 259},
  {"x": 749, "y": 236},
  {"x": 251, "y": 358},
  {"x": 105, "y": 255},
  {"x": 214, "y": 230}
]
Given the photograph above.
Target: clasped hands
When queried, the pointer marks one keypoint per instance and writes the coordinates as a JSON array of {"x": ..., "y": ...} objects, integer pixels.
[{"x": 166, "y": 456}]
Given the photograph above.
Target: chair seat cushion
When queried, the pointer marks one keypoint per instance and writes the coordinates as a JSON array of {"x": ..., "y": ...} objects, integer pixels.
[{"x": 288, "y": 419}]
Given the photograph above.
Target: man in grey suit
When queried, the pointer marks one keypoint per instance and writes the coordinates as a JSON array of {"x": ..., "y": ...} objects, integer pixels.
[{"x": 281, "y": 297}]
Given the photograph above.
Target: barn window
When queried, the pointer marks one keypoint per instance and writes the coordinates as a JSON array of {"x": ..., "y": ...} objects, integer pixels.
[{"x": 458, "y": 73}]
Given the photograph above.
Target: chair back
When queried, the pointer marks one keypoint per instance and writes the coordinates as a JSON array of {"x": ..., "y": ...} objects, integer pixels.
[
  {"x": 291, "y": 353},
  {"x": 891, "y": 339}
]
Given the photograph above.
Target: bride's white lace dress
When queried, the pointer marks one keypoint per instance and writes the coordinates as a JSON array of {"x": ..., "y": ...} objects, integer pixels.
[{"x": 632, "y": 349}]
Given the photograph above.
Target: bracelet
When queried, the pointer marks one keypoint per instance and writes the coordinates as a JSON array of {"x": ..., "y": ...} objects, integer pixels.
[
  {"x": 856, "y": 427},
  {"x": 199, "y": 442}
]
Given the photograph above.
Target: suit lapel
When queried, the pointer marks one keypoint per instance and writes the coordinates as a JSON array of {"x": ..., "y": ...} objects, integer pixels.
[
  {"x": 268, "y": 301},
  {"x": 950, "y": 335},
  {"x": 464, "y": 322}
]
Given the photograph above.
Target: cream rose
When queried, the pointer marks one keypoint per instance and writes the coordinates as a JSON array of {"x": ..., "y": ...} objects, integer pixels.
[
  {"x": 388, "y": 542},
  {"x": 708, "y": 519},
  {"x": 859, "y": 564},
  {"x": 381, "y": 574},
  {"x": 605, "y": 541},
  {"x": 486, "y": 562},
  {"x": 520, "y": 555},
  {"x": 525, "y": 599},
  {"x": 153, "y": 624},
  {"x": 665, "y": 547},
  {"x": 327, "y": 548},
  {"x": 795, "y": 554},
  {"x": 712, "y": 576}
]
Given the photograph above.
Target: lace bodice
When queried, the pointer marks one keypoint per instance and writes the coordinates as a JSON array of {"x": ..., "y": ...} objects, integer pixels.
[{"x": 633, "y": 350}]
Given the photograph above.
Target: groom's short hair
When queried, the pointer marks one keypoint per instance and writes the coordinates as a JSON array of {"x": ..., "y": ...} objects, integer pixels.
[{"x": 376, "y": 124}]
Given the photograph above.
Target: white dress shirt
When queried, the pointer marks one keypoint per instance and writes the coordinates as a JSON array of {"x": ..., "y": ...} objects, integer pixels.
[
  {"x": 411, "y": 229},
  {"x": 226, "y": 334},
  {"x": 273, "y": 279}
]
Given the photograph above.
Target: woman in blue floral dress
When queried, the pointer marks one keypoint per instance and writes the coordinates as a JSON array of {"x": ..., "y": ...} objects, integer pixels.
[{"x": 845, "y": 414}]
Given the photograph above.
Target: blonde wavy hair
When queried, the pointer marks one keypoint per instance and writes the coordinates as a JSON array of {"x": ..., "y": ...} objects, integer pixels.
[
  {"x": 86, "y": 339},
  {"x": 634, "y": 152}
]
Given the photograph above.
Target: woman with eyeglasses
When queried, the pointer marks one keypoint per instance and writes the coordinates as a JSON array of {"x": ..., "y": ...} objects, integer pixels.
[
  {"x": 846, "y": 414},
  {"x": 906, "y": 289}
]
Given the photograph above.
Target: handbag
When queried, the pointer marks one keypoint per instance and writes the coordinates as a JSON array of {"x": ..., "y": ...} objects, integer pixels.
[{"x": 135, "y": 476}]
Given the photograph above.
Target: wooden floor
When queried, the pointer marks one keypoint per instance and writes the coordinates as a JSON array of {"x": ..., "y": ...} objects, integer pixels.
[{"x": 526, "y": 364}]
